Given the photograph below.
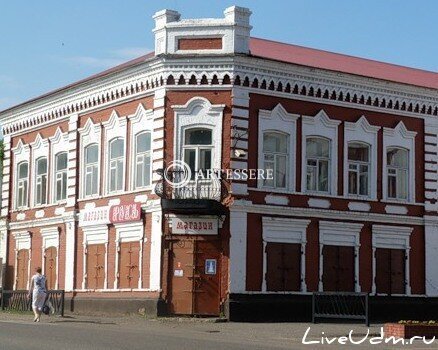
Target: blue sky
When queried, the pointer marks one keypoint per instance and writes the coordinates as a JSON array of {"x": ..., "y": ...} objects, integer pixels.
[{"x": 49, "y": 43}]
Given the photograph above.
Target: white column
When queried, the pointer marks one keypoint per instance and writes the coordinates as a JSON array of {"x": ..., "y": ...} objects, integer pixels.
[
  {"x": 303, "y": 266},
  {"x": 72, "y": 182},
  {"x": 69, "y": 255},
  {"x": 431, "y": 251},
  {"x": 357, "y": 287},
  {"x": 155, "y": 262},
  {"x": 321, "y": 267},
  {"x": 238, "y": 242}
]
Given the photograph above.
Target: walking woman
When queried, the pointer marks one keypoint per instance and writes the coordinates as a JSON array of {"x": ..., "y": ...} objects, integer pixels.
[{"x": 38, "y": 292}]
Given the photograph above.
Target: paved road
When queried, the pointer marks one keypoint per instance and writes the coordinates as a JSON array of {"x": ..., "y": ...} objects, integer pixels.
[{"x": 95, "y": 333}]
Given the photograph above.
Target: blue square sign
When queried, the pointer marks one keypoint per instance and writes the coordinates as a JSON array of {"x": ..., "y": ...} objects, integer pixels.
[{"x": 210, "y": 266}]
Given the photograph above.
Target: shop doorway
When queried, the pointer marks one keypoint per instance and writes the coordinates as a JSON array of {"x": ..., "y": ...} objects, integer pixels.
[{"x": 194, "y": 276}]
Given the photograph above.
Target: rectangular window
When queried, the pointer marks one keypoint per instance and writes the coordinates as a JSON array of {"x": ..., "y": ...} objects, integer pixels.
[
  {"x": 317, "y": 164},
  {"x": 129, "y": 260},
  {"x": 358, "y": 169},
  {"x": 95, "y": 266},
  {"x": 22, "y": 184},
  {"x": 338, "y": 270},
  {"x": 275, "y": 156},
  {"x": 283, "y": 267}
]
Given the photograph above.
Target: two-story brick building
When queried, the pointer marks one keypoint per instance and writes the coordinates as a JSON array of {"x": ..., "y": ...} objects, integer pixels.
[{"x": 351, "y": 206}]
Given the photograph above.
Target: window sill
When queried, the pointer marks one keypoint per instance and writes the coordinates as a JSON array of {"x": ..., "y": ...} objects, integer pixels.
[{"x": 401, "y": 202}]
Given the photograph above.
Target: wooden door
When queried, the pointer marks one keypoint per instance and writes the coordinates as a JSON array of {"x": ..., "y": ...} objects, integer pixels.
[
  {"x": 181, "y": 272},
  {"x": 194, "y": 277},
  {"x": 95, "y": 266},
  {"x": 206, "y": 278},
  {"x": 390, "y": 271},
  {"x": 22, "y": 269},
  {"x": 129, "y": 265},
  {"x": 338, "y": 269},
  {"x": 50, "y": 263},
  {"x": 283, "y": 267}
]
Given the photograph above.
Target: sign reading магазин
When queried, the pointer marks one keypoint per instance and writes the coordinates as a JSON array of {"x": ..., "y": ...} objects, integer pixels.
[
  {"x": 194, "y": 226},
  {"x": 110, "y": 214}
]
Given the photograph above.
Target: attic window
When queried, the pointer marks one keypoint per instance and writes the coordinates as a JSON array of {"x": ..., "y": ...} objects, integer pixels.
[{"x": 200, "y": 44}]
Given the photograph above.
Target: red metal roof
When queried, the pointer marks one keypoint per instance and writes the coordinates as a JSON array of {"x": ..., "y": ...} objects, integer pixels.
[{"x": 342, "y": 63}]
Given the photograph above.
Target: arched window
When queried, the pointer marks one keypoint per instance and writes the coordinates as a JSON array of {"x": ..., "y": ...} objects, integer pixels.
[
  {"x": 358, "y": 169},
  {"x": 22, "y": 184},
  {"x": 143, "y": 160},
  {"x": 61, "y": 176},
  {"x": 117, "y": 164},
  {"x": 275, "y": 159},
  {"x": 397, "y": 160},
  {"x": 198, "y": 146},
  {"x": 318, "y": 164},
  {"x": 91, "y": 177},
  {"x": 41, "y": 181}
]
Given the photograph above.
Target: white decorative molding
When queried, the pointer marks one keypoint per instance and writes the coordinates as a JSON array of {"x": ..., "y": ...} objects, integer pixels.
[
  {"x": 141, "y": 198},
  {"x": 396, "y": 209},
  {"x": 199, "y": 112},
  {"x": 114, "y": 201},
  {"x": 363, "y": 132},
  {"x": 392, "y": 237},
  {"x": 59, "y": 210},
  {"x": 90, "y": 205},
  {"x": 50, "y": 236},
  {"x": 345, "y": 234},
  {"x": 400, "y": 137},
  {"x": 359, "y": 206},
  {"x": 59, "y": 142},
  {"x": 21, "y": 216},
  {"x": 115, "y": 127},
  {"x": 95, "y": 235},
  {"x": 130, "y": 232},
  {"x": 20, "y": 153},
  {"x": 238, "y": 250},
  {"x": 155, "y": 251},
  {"x": 39, "y": 214},
  {"x": 276, "y": 200},
  {"x": 234, "y": 30},
  {"x": 23, "y": 240},
  {"x": 89, "y": 134},
  {"x": 280, "y": 121},
  {"x": 321, "y": 126},
  {"x": 285, "y": 230},
  {"x": 140, "y": 121},
  {"x": 319, "y": 203},
  {"x": 40, "y": 149}
]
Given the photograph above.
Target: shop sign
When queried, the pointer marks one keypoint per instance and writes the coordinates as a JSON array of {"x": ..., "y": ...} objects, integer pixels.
[
  {"x": 125, "y": 213},
  {"x": 194, "y": 226},
  {"x": 94, "y": 216},
  {"x": 110, "y": 215}
]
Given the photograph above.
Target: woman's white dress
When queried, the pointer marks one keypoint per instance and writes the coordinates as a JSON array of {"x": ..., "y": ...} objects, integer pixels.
[{"x": 39, "y": 291}]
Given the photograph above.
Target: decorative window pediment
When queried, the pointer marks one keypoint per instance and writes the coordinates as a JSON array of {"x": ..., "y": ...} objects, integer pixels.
[
  {"x": 321, "y": 127},
  {"x": 361, "y": 132},
  {"x": 278, "y": 122},
  {"x": 199, "y": 112},
  {"x": 399, "y": 138}
]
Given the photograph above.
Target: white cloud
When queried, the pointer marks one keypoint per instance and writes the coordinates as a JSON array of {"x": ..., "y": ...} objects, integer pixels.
[{"x": 114, "y": 58}]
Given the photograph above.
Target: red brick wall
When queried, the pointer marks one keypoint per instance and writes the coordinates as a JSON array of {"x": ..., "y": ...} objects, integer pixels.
[{"x": 200, "y": 44}]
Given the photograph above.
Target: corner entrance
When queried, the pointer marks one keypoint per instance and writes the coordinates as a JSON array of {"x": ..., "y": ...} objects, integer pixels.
[{"x": 194, "y": 276}]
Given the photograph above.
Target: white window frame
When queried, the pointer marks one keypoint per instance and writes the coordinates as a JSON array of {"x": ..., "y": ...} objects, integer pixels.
[
  {"x": 141, "y": 121},
  {"x": 114, "y": 165},
  {"x": 318, "y": 160},
  {"x": 199, "y": 112},
  {"x": 22, "y": 186},
  {"x": 89, "y": 134},
  {"x": 57, "y": 142},
  {"x": 50, "y": 236},
  {"x": 40, "y": 149},
  {"x": 362, "y": 132},
  {"x": 94, "y": 235},
  {"x": 346, "y": 234},
  {"x": 197, "y": 147},
  {"x": 23, "y": 240},
  {"x": 38, "y": 182},
  {"x": 399, "y": 137},
  {"x": 279, "y": 120},
  {"x": 392, "y": 237},
  {"x": 357, "y": 164},
  {"x": 285, "y": 230},
  {"x": 396, "y": 173},
  {"x": 131, "y": 232},
  {"x": 115, "y": 127},
  {"x": 58, "y": 176},
  {"x": 321, "y": 126},
  {"x": 140, "y": 157},
  {"x": 89, "y": 169},
  {"x": 20, "y": 153}
]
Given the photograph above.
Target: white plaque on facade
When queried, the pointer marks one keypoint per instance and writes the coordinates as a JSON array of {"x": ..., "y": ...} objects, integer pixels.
[
  {"x": 194, "y": 226},
  {"x": 94, "y": 216}
]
